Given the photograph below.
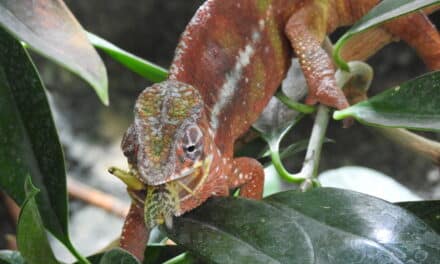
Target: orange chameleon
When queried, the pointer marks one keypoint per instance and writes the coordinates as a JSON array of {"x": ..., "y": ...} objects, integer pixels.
[{"x": 229, "y": 62}]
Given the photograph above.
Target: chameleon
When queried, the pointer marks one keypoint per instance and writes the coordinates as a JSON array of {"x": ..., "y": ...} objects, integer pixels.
[{"x": 229, "y": 62}]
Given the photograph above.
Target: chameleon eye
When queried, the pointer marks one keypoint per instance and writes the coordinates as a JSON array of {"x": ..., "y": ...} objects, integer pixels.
[
  {"x": 192, "y": 142},
  {"x": 190, "y": 148}
]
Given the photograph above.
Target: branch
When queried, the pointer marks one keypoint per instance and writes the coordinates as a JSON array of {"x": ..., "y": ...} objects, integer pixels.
[
  {"x": 97, "y": 198},
  {"x": 425, "y": 147}
]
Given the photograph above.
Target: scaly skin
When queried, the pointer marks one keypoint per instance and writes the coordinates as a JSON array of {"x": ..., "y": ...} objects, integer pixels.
[{"x": 229, "y": 62}]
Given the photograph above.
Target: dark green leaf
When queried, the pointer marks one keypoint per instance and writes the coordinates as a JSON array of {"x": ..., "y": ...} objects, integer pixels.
[
  {"x": 156, "y": 254},
  {"x": 140, "y": 66},
  {"x": 118, "y": 256},
  {"x": 324, "y": 225},
  {"x": 29, "y": 142},
  {"x": 50, "y": 29},
  {"x": 384, "y": 11},
  {"x": 184, "y": 258},
  {"x": 31, "y": 235},
  {"x": 428, "y": 211},
  {"x": 11, "y": 257},
  {"x": 414, "y": 104}
]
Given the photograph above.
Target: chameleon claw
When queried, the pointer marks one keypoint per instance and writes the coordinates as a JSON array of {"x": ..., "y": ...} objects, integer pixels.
[{"x": 128, "y": 178}]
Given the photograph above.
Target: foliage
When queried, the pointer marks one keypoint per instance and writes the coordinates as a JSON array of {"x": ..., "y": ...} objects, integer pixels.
[{"x": 327, "y": 225}]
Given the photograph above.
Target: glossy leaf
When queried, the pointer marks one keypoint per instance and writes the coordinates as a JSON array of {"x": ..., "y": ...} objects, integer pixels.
[
  {"x": 50, "y": 29},
  {"x": 323, "y": 225},
  {"x": 156, "y": 254},
  {"x": 31, "y": 235},
  {"x": 384, "y": 11},
  {"x": 414, "y": 104},
  {"x": 138, "y": 65},
  {"x": 118, "y": 256},
  {"x": 428, "y": 211},
  {"x": 184, "y": 258},
  {"x": 30, "y": 144},
  {"x": 11, "y": 257}
]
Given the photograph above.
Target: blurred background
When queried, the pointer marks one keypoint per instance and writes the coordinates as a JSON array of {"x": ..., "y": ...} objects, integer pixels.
[{"x": 91, "y": 133}]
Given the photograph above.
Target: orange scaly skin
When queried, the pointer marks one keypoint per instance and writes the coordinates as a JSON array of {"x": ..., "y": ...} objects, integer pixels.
[{"x": 234, "y": 55}]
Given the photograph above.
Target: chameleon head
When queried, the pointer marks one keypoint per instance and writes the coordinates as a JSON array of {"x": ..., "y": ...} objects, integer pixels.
[{"x": 167, "y": 146}]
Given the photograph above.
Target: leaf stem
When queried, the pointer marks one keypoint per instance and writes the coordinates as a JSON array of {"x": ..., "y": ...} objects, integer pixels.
[
  {"x": 277, "y": 163},
  {"x": 299, "y": 107},
  {"x": 81, "y": 259},
  {"x": 310, "y": 166},
  {"x": 182, "y": 258}
]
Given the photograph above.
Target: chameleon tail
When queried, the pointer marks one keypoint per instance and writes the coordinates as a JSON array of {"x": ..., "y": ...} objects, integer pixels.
[
  {"x": 417, "y": 30},
  {"x": 135, "y": 235}
]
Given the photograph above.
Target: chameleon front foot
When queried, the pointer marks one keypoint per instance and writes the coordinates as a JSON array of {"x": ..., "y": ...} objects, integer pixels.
[
  {"x": 135, "y": 235},
  {"x": 248, "y": 174}
]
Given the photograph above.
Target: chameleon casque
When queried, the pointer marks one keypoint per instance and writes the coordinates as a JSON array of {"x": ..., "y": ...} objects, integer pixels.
[{"x": 229, "y": 62}]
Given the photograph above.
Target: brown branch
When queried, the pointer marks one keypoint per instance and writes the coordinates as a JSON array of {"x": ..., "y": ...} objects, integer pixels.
[
  {"x": 11, "y": 242},
  {"x": 87, "y": 194},
  {"x": 425, "y": 147},
  {"x": 12, "y": 208}
]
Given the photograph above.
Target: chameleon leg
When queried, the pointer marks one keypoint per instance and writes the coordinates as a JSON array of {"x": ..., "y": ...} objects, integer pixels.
[
  {"x": 306, "y": 30},
  {"x": 248, "y": 174},
  {"x": 135, "y": 235}
]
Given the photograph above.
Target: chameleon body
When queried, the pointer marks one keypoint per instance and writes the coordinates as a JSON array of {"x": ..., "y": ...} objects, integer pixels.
[{"x": 229, "y": 62}]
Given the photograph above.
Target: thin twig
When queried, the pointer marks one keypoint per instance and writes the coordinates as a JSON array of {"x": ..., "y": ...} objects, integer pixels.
[
  {"x": 11, "y": 242},
  {"x": 97, "y": 198},
  {"x": 12, "y": 207},
  {"x": 425, "y": 147}
]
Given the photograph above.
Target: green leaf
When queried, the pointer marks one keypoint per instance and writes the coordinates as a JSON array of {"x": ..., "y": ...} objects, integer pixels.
[
  {"x": 31, "y": 235},
  {"x": 428, "y": 211},
  {"x": 414, "y": 104},
  {"x": 11, "y": 257},
  {"x": 118, "y": 256},
  {"x": 156, "y": 254},
  {"x": 138, "y": 65},
  {"x": 324, "y": 225},
  {"x": 384, "y": 11},
  {"x": 184, "y": 258},
  {"x": 30, "y": 144},
  {"x": 29, "y": 140},
  {"x": 50, "y": 29}
]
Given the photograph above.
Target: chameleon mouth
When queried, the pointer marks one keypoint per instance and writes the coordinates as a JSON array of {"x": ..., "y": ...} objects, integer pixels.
[
  {"x": 162, "y": 202},
  {"x": 196, "y": 176}
]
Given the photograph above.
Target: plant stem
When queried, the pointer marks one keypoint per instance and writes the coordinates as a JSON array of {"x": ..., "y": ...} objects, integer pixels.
[
  {"x": 299, "y": 107},
  {"x": 182, "y": 258},
  {"x": 81, "y": 259},
  {"x": 310, "y": 166},
  {"x": 311, "y": 161}
]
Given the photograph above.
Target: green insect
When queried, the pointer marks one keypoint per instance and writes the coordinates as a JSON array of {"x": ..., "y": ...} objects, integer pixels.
[{"x": 161, "y": 204}]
